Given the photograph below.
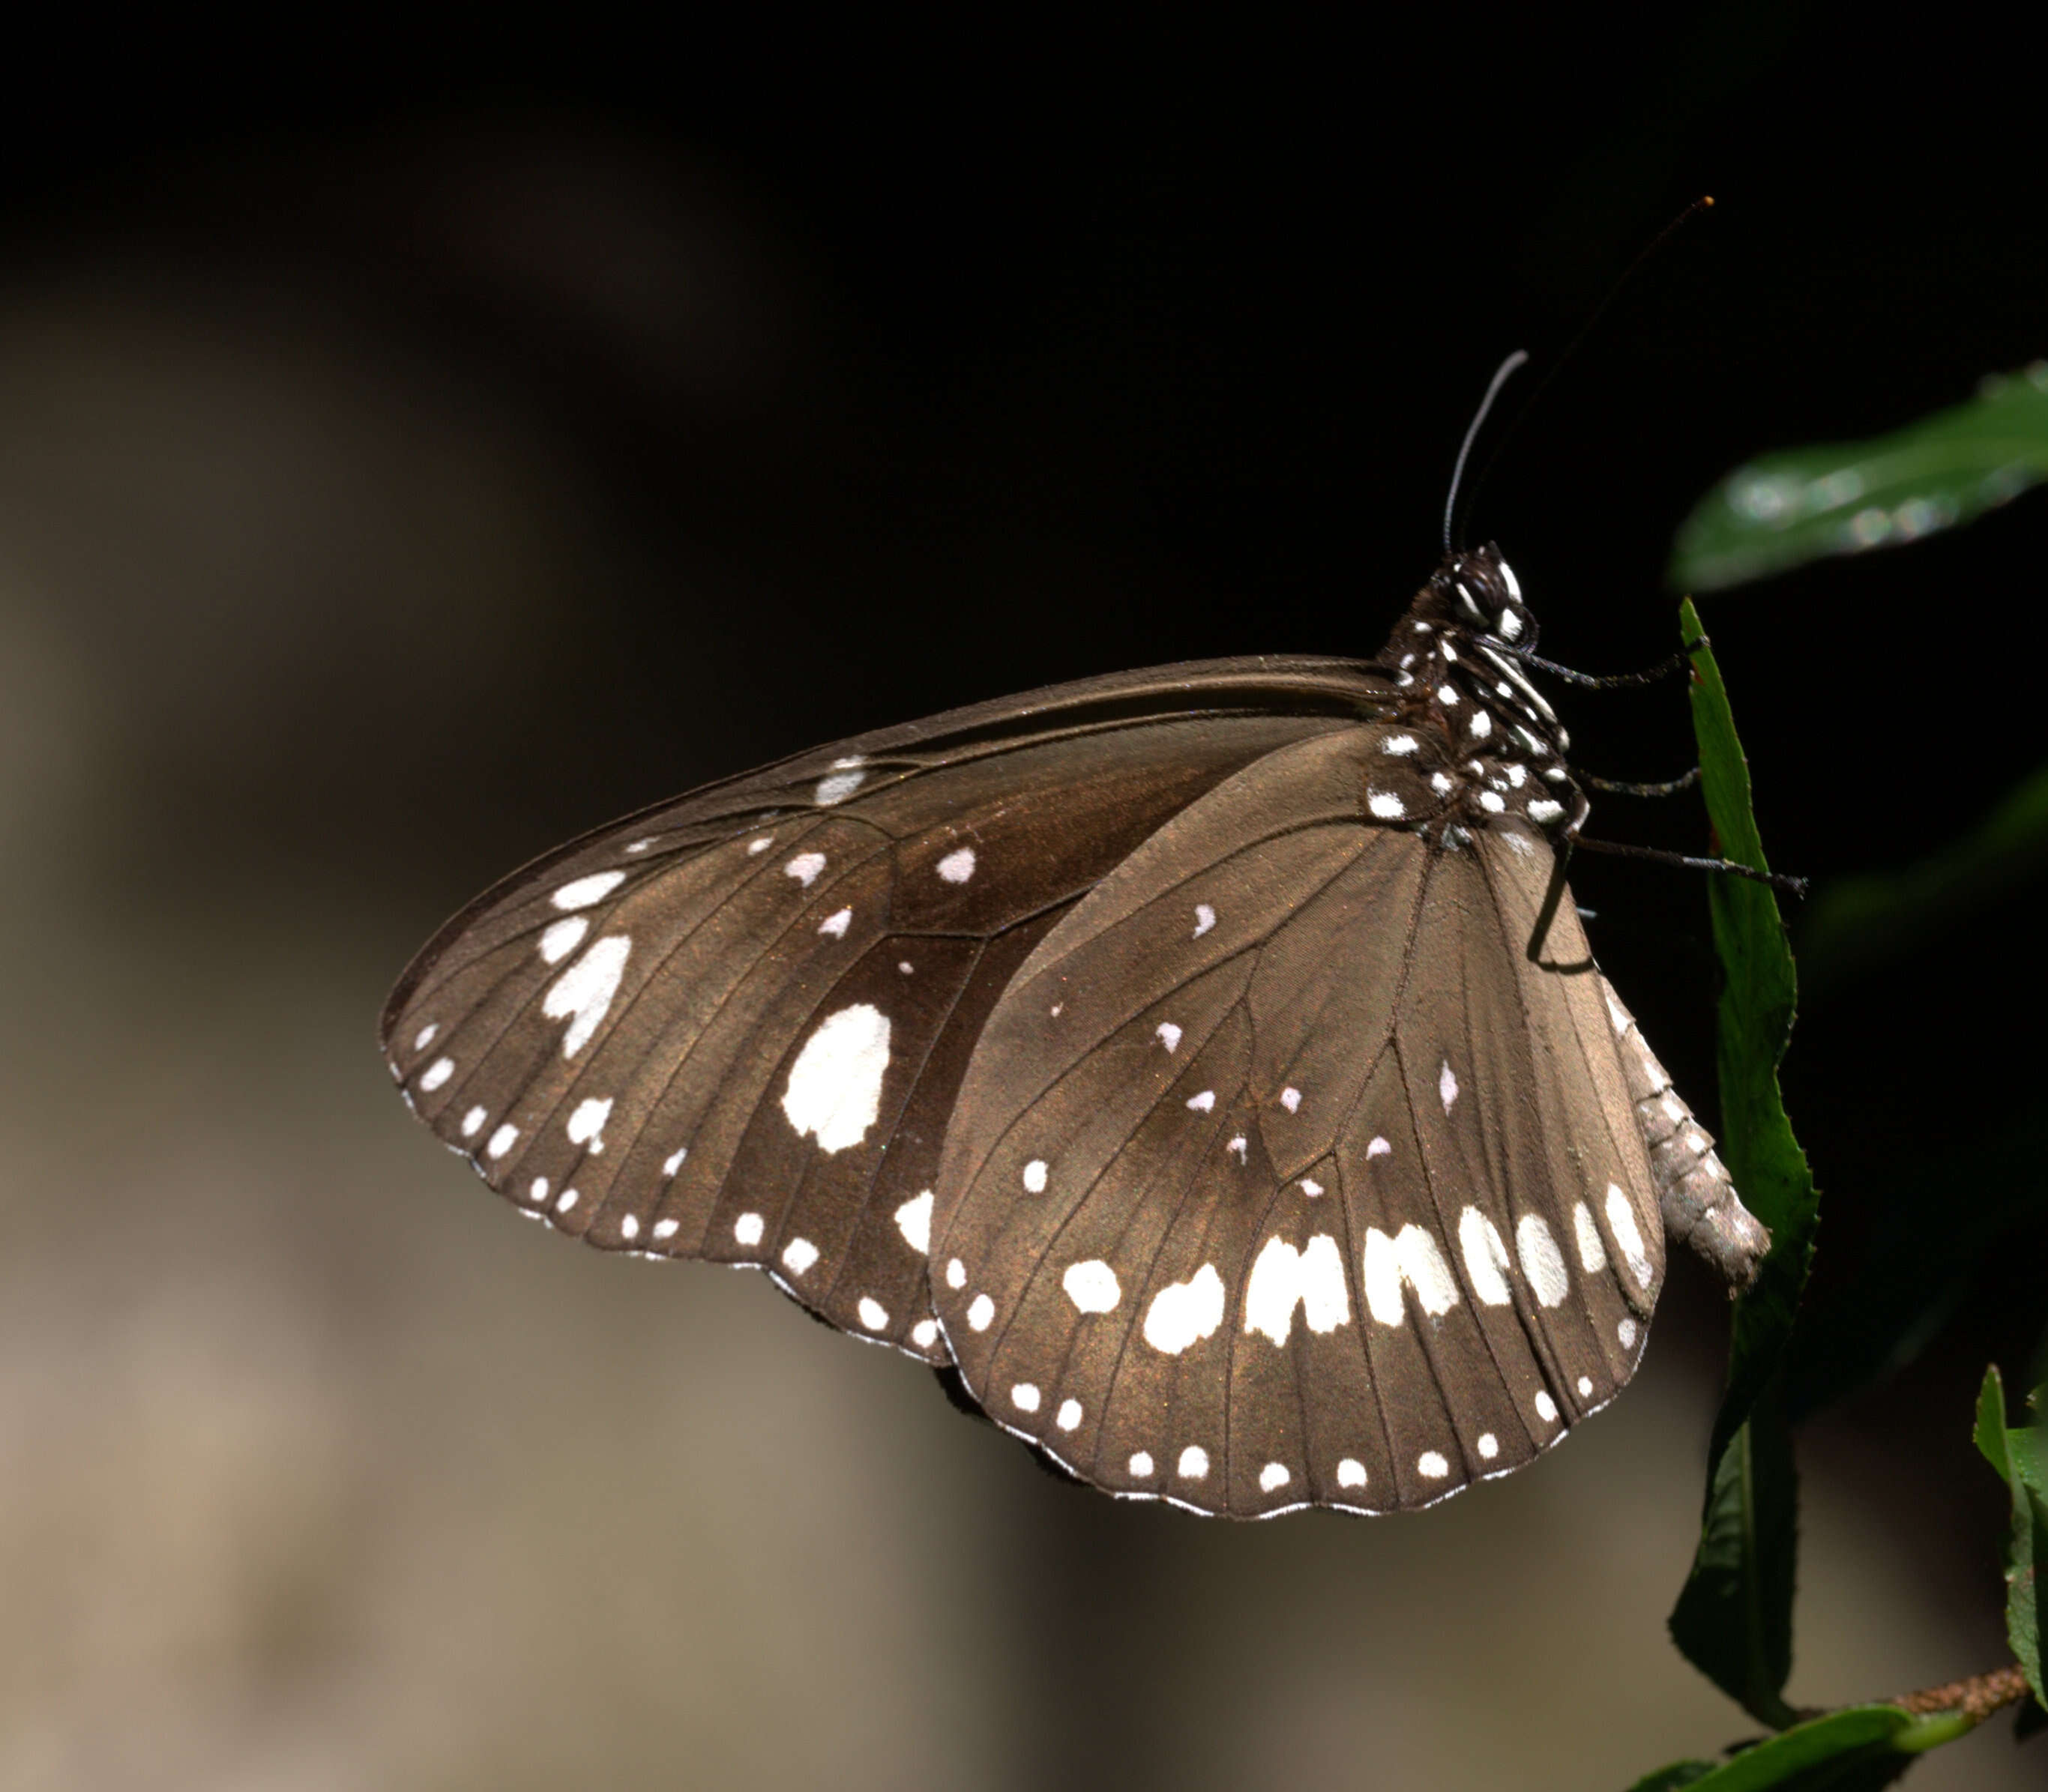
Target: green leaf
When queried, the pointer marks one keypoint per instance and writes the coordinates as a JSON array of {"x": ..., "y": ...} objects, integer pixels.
[
  {"x": 1842, "y": 498},
  {"x": 1847, "y": 1751},
  {"x": 1733, "y": 1620},
  {"x": 1758, "y": 996},
  {"x": 2020, "y": 1456},
  {"x": 1856, "y": 922}
]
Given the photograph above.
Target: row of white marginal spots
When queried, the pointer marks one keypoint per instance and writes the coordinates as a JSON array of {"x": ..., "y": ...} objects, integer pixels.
[{"x": 1284, "y": 1278}]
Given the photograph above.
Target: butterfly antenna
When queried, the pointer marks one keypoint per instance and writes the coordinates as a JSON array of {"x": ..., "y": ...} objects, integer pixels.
[
  {"x": 1472, "y": 435},
  {"x": 1704, "y": 203}
]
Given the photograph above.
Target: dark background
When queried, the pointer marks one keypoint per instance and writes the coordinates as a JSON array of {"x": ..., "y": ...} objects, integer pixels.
[{"x": 416, "y": 448}]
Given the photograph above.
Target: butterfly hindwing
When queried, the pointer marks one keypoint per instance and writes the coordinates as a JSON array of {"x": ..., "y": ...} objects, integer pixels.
[
  {"x": 733, "y": 1027},
  {"x": 1248, "y": 1203}
]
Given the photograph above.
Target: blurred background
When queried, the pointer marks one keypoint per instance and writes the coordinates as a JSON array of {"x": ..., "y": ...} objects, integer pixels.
[{"x": 415, "y": 449}]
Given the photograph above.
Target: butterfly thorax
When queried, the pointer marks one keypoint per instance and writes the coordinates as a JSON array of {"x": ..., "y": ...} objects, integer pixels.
[{"x": 1477, "y": 743}]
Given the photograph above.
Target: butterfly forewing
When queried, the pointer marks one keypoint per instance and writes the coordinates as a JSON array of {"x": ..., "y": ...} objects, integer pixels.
[
  {"x": 734, "y": 1027},
  {"x": 1248, "y": 1202}
]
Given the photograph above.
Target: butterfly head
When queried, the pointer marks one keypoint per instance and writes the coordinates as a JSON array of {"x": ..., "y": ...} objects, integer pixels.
[{"x": 1476, "y": 590}]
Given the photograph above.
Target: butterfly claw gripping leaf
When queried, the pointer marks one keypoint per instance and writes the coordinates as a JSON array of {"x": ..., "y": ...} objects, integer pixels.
[{"x": 1163, "y": 1050}]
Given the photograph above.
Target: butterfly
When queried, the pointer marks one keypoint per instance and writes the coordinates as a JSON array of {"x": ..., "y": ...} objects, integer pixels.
[{"x": 1173, "y": 1056}]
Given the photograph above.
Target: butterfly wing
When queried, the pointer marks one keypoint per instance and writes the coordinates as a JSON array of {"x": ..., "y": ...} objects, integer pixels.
[
  {"x": 1265, "y": 1181},
  {"x": 733, "y": 1026}
]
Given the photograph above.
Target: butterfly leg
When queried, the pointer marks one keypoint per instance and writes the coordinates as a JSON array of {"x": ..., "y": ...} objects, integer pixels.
[{"x": 1619, "y": 787}]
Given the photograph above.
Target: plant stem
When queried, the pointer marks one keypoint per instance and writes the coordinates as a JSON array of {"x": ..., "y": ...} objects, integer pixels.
[{"x": 1946, "y": 1712}]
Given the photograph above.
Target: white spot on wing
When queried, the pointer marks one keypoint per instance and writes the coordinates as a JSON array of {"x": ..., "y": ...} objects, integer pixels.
[
  {"x": 1593, "y": 1254},
  {"x": 837, "y": 924},
  {"x": 1141, "y": 1462},
  {"x": 1184, "y": 1313},
  {"x": 579, "y": 892},
  {"x": 538, "y": 1192},
  {"x": 761, "y": 845},
  {"x": 1243, "y": 1148},
  {"x": 1399, "y": 746},
  {"x": 674, "y": 1160},
  {"x": 437, "y": 1073},
  {"x": 1486, "y": 1257},
  {"x": 1385, "y": 804},
  {"x": 1621, "y": 1222},
  {"x": 1350, "y": 1473},
  {"x": 1585, "y": 1387},
  {"x": 1627, "y": 1332},
  {"x": 1069, "y": 1417},
  {"x": 1194, "y": 1463},
  {"x": 1379, "y": 1148},
  {"x": 956, "y": 1274},
  {"x": 1542, "y": 1261},
  {"x": 1492, "y": 803},
  {"x": 805, "y": 867},
  {"x": 629, "y": 1227},
  {"x": 1290, "y": 1099},
  {"x": 1447, "y": 1086},
  {"x": 1431, "y": 1465},
  {"x": 872, "y": 1313},
  {"x": 1034, "y": 1177},
  {"x": 799, "y": 1255},
  {"x": 567, "y": 1201},
  {"x": 503, "y": 1140},
  {"x": 1480, "y": 726},
  {"x": 1168, "y": 1034},
  {"x": 748, "y": 1228},
  {"x": 1024, "y": 1396},
  {"x": 1311, "y": 1188},
  {"x": 472, "y": 1122},
  {"x": 563, "y": 937},
  {"x": 925, "y": 1333},
  {"x": 582, "y": 994},
  {"x": 1205, "y": 919},
  {"x": 914, "y": 1220},
  {"x": 425, "y": 1037},
  {"x": 834, "y": 1089},
  {"x": 837, "y": 786},
  {"x": 1543, "y": 811},
  {"x": 1273, "y": 1477},
  {"x": 1203, "y": 1103},
  {"x": 1410, "y": 1256},
  {"x": 957, "y": 867},
  {"x": 586, "y": 1125},
  {"x": 1489, "y": 1445},
  {"x": 667, "y": 1228},
  {"x": 1283, "y": 1277},
  {"x": 1546, "y": 1408},
  {"x": 1091, "y": 1285},
  {"x": 979, "y": 1312}
]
